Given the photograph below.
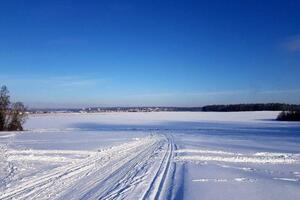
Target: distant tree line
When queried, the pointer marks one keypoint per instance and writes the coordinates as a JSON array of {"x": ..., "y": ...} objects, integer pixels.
[
  {"x": 289, "y": 116},
  {"x": 12, "y": 115},
  {"x": 252, "y": 107}
]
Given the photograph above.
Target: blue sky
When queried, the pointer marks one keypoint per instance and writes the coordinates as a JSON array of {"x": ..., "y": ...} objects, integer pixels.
[{"x": 150, "y": 53}]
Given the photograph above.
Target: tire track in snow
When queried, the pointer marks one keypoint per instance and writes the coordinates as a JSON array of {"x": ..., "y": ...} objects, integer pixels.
[
  {"x": 117, "y": 182},
  {"x": 159, "y": 187},
  {"x": 59, "y": 179},
  {"x": 115, "y": 173}
]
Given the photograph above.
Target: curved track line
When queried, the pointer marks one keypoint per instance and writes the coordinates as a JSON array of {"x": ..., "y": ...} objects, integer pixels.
[{"x": 158, "y": 184}]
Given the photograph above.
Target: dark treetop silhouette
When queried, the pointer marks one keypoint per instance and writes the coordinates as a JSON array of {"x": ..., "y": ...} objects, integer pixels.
[{"x": 12, "y": 115}]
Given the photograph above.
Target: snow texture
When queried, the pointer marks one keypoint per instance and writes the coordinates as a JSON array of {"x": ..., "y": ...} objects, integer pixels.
[{"x": 163, "y": 155}]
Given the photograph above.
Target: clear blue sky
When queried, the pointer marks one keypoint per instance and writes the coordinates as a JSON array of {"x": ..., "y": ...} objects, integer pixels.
[{"x": 131, "y": 53}]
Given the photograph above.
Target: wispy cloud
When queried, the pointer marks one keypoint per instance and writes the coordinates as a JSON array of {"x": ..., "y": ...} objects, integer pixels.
[
  {"x": 72, "y": 91},
  {"x": 68, "y": 81},
  {"x": 215, "y": 93},
  {"x": 293, "y": 43},
  {"x": 198, "y": 98},
  {"x": 54, "y": 81},
  {"x": 280, "y": 91}
]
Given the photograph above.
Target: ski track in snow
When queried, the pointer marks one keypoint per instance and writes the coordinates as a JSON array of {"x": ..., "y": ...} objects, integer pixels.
[{"x": 137, "y": 169}]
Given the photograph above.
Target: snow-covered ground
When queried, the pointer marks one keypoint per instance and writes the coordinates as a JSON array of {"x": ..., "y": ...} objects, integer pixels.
[{"x": 164, "y": 155}]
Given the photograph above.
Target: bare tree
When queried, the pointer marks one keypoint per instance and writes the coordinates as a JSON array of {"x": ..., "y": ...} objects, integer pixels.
[{"x": 12, "y": 116}]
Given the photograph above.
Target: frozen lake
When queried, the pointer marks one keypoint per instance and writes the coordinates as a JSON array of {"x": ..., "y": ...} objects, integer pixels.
[{"x": 163, "y": 155}]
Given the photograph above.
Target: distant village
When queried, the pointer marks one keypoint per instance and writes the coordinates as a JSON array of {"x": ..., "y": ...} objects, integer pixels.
[
  {"x": 208, "y": 108},
  {"x": 113, "y": 109}
]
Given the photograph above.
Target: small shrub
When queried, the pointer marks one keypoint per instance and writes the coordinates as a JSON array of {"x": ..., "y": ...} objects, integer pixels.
[{"x": 12, "y": 115}]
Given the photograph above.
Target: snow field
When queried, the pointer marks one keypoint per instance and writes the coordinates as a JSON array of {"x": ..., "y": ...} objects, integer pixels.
[{"x": 164, "y": 155}]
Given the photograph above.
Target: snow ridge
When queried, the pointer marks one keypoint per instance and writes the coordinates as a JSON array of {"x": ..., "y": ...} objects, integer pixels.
[{"x": 231, "y": 157}]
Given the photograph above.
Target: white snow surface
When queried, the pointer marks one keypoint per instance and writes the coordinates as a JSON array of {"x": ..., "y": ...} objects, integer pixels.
[{"x": 157, "y": 155}]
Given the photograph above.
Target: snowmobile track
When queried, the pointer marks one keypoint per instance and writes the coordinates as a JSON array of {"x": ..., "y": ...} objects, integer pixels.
[{"x": 136, "y": 169}]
